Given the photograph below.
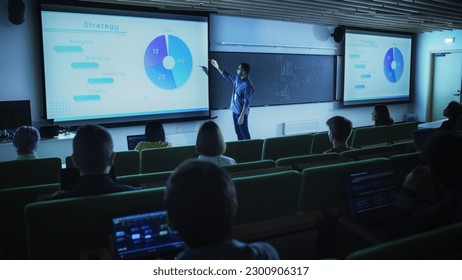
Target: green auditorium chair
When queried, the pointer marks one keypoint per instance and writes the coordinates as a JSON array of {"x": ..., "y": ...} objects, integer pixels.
[
  {"x": 370, "y": 152},
  {"x": 76, "y": 228},
  {"x": 127, "y": 163},
  {"x": 267, "y": 196},
  {"x": 17, "y": 173},
  {"x": 13, "y": 241},
  {"x": 146, "y": 180},
  {"x": 286, "y": 146},
  {"x": 323, "y": 188},
  {"x": 302, "y": 162},
  {"x": 321, "y": 143},
  {"x": 369, "y": 136},
  {"x": 401, "y": 132},
  {"x": 245, "y": 150},
  {"x": 439, "y": 244},
  {"x": 165, "y": 159},
  {"x": 403, "y": 164}
]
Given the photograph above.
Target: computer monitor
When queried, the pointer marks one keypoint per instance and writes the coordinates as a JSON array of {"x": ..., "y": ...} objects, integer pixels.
[{"x": 14, "y": 114}]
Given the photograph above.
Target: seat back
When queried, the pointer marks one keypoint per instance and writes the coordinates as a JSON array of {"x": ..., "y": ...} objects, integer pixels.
[
  {"x": 401, "y": 131},
  {"x": 13, "y": 241},
  {"x": 17, "y": 173},
  {"x": 286, "y": 146},
  {"x": 369, "y": 136},
  {"x": 165, "y": 159},
  {"x": 249, "y": 166},
  {"x": 403, "y": 164},
  {"x": 245, "y": 150},
  {"x": 371, "y": 152},
  {"x": 267, "y": 196},
  {"x": 442, "y": 243},
  {"x": 320, "y": 143},
  {"x": 74, "y": 228},
  {"x": 297, "y": 161},
  {"x": 127, "y": 162},
  {"x": 323, "y": 187},
  {"x": 146, "y": 180}
]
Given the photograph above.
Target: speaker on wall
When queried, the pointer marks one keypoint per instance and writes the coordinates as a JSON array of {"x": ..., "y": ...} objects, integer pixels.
[
  {"x": 339, "y": 34},
  {"x": 16, "y": 11}
]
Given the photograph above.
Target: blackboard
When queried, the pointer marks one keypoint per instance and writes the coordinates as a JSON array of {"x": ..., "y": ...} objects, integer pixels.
[{"x": 278, "y": 79}]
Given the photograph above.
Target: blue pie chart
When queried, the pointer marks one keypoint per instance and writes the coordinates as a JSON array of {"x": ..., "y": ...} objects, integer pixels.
[
  {"x": 168, "y": 62},
  {"x": 393, "y": 65}
]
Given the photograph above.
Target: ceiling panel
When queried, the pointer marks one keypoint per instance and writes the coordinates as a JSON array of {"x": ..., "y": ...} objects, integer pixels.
[{"x": 393, "y": 15}]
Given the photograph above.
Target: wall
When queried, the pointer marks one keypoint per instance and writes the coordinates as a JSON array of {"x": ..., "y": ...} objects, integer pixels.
[
  {"x": 21, "y": 73},
  {"x": 428, "y": 43}
]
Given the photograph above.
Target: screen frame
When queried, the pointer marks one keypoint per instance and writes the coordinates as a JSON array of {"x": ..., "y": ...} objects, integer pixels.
[
  {"x": 126, "y": 10},
  {"x": 384, "y": 100}
]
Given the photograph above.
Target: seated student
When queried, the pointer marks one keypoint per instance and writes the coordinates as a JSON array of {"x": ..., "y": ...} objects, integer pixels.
[
  {"x": 26, "y": 140},
  {"x": 155, "y": 137},
  {"x": 201, "y": 201},
  {"x": 453, "y": 111},
  {"x": 431, "y": 196},
  {"x": 340, "y": 129},
  {"x": 381, "y": 115},
  {"x": 210, "y": 145},
  {"x": 93, "y": 155}
]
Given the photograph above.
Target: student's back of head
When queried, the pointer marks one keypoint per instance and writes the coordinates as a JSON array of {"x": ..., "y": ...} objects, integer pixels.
[
  {"x": 340, "y": 128},
  {"x": 209, "y": 141},
  {"x": 201, "y": 202},
  {"x": 453, "y": 110},
  {"x": 381, "y": 115},
  {"x": 26, "y": 140},
  {"x": 93, "y": 150},
  {"x": 154, "y": 131}
]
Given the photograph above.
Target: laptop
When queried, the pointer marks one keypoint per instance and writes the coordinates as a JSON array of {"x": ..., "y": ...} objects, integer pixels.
[
  {"x": 420, "y": 136},
  {"x": 133, "y": 140},
  {"x": 371, "y": 194},
  {"x": 145, "y": 236}
]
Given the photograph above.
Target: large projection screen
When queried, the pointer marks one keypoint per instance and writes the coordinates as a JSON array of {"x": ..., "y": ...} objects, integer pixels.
[
  {"x": 107, "y": 65},
  {"x": 377, "y": 68}
]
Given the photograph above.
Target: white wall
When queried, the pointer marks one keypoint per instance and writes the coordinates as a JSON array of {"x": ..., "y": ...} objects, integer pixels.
[
  {"x": 21, "y": 73},
  {"x": 427, "y": 43}
]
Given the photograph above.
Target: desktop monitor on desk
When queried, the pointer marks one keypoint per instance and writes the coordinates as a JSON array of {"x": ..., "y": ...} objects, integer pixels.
[{"x": 14, "y": 114}]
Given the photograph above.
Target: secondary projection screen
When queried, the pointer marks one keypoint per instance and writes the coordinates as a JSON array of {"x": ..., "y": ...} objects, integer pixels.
[
  {"x": 110, "y": 65},
  {"x": 377, "y": 68}
]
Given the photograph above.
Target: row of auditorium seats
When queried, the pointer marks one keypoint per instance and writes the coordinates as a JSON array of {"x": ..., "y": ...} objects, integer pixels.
[
  {"x": 127, "y": 163},
  {"x": 69, "y": 228}
]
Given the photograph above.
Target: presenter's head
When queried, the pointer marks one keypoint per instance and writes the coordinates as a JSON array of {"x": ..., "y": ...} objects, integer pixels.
[{"x": 243, "y": 70}]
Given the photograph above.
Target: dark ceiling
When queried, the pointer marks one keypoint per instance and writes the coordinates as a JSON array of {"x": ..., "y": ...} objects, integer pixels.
[{"x": 394, "y": 15}]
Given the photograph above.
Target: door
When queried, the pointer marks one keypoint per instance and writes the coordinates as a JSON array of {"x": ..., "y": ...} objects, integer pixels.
[{"x": 447, "y": 82}]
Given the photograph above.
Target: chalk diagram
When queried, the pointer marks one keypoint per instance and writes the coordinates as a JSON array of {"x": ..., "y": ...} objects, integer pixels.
[{"x": 297, "y": 75}]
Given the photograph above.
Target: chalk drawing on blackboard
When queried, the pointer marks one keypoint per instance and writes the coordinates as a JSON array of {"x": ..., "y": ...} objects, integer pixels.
[{"x": 278, "y": 78}]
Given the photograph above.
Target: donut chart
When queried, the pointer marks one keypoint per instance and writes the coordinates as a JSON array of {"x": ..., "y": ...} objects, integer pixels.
[
  {"x": 168, "y": 62},
  {"x": 393, "y": 65}
]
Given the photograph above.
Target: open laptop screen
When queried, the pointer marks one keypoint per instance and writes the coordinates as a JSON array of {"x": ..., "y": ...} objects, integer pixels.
[
  {"x": 371, "y": 193},
  {"x": 145, "y": 236},
  {"x": 133, "y": 140}
]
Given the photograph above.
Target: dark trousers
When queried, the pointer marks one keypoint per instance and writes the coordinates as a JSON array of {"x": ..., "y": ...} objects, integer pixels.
[{"x": 242, "y": 131}]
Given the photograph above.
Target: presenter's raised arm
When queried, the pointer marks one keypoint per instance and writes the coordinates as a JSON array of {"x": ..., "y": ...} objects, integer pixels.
[{"x": 216, "y": 65}]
